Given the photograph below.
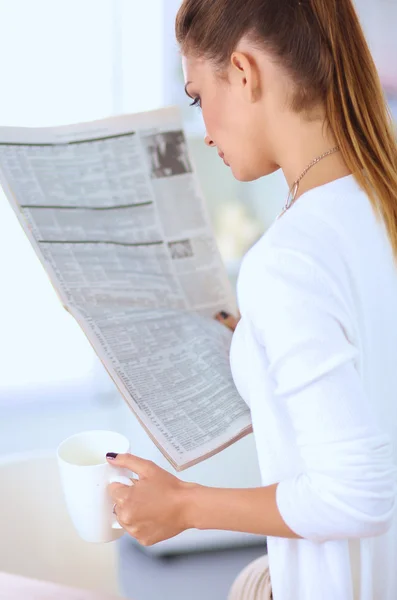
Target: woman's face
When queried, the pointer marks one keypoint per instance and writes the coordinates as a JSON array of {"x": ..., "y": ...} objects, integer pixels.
[{"x": 235, "y": 110}]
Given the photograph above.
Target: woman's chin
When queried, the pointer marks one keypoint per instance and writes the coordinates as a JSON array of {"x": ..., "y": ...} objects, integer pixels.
[
  {"x": 243, "y": 175},
  {"x": 246, "y": 175}
]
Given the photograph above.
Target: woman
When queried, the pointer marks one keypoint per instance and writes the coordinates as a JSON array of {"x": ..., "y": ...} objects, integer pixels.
[{"x": 292, "y": 85}]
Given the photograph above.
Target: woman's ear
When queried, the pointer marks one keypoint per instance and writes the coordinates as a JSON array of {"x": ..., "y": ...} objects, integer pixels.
[{"x": 245, "y": 74}]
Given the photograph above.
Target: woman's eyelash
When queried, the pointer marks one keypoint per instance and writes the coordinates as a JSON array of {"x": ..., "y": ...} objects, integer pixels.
[{"x": 196, "y": 102}]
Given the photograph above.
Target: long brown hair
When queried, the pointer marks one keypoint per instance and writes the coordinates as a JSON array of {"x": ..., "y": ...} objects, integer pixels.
[{"x": 321, "y": 45}]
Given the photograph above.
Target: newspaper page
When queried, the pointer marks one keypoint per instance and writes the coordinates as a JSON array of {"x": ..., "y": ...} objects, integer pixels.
[{"x": 114, "y": 212}]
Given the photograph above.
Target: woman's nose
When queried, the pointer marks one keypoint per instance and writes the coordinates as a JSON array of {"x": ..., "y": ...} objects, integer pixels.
[{"x": 208, "y": 141}]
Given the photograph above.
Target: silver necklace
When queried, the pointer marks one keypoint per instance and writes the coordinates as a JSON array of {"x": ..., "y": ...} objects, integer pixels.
[{"x": 295, "y": 186}]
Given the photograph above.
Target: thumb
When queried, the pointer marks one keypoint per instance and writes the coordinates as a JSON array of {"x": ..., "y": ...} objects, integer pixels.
[
  {"x": 138, "y": 465},
  {"x": 229, "y": 320}
]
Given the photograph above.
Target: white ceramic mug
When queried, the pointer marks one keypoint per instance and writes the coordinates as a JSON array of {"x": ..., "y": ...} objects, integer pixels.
[{"x": 85, "y": 476}]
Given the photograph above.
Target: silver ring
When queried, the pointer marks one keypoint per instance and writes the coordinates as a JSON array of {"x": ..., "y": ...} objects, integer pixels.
[{"x": 114, "y": 508}]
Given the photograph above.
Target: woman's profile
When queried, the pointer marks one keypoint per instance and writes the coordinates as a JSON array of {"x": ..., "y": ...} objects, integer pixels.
[{"x": 291, "y": 85}]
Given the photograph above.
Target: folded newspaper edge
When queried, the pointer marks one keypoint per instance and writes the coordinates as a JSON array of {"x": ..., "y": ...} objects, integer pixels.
[{"x": 114, "y": 212}]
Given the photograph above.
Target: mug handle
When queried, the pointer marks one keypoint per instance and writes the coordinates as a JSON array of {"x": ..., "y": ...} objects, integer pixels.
[{"x": 125, "y": 481}]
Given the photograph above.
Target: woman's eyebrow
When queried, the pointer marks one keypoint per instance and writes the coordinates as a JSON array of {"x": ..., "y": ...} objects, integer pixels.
[{"x": 186, "y": 92}]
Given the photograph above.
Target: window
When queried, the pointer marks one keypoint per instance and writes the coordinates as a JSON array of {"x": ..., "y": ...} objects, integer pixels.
[{"x": 63, "y": 62}]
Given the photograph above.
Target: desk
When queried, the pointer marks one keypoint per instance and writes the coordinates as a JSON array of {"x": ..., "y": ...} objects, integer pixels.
[{"x": 15, "y": 587}]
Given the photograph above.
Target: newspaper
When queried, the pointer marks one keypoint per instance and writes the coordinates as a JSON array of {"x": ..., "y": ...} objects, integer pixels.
[{"x": 114, "y": 212}]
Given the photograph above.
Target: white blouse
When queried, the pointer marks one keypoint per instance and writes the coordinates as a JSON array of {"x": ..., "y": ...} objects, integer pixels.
[{"x": 315, "y": 358}]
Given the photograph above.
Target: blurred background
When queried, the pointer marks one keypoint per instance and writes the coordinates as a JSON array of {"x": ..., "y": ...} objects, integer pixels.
[{"x": 68, "y": 61}]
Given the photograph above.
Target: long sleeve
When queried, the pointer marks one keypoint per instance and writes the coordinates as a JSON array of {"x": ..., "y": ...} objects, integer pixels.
[{"x": 347, "y": 485}]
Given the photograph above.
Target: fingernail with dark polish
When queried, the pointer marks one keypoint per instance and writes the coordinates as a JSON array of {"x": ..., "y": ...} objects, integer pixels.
[
  {"x": 224, "y": 314},
  {"x": 111, "y": 455}
]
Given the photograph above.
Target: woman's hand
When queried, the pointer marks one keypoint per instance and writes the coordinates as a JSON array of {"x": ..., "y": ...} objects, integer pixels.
[
  {"x": 228, "y": 320},
  {"x": 154, "y": 508},
  {"x": 159, "y": 506}
]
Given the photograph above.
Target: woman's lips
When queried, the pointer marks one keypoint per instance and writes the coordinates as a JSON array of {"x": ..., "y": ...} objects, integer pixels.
[{"x": 223, "y": 158}]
